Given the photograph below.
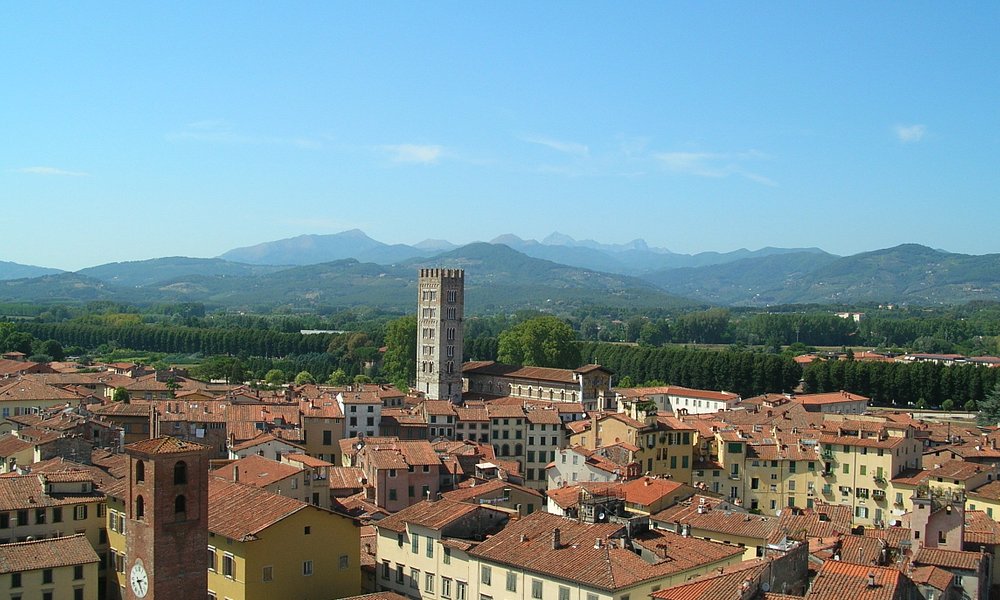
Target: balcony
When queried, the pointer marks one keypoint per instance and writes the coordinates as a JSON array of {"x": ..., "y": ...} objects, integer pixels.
[
  {"x": 827, "y": 453},
  {"x": 879, "y": 479},
  {"x": 828, "y": 473},
  {"x": 878, "y": 495}
]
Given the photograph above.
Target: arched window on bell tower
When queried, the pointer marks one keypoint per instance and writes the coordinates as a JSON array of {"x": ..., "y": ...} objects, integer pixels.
[
  {"x": 140, "y": 507},
  {"x": 180, "y": 505},
  {"x": 180, "y": 473},
  {"x": 140, "y": 470}
]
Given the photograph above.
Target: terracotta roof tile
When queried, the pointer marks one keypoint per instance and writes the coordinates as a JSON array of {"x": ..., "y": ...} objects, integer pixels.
[
  {"x": 46, "y": 554},
  {"x": 28, "y": 491},
  {"x": 436, "y": 514},
  {"x": 935, "y": 577},
  {"x": 240, "y": 511},
  {"x": 948, "y": 559},
  {"x": 256, "y": 471},
  {"x": 841, "y": 579},
  {"x": 527, "y": 544},
  {"x": 165, "y": 445}
]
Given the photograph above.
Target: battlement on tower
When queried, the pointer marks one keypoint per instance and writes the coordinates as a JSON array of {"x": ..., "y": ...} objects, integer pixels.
[{"x": 443, "y": 273}]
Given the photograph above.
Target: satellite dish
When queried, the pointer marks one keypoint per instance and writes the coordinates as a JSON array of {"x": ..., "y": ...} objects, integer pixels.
[
  {"x": 601, "y": 516},
  {"x": 765, "y": 587}
]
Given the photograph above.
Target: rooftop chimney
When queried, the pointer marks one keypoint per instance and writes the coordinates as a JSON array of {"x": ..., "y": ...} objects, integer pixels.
[
  {"x": 236, "y": 474},
  {"x": 871, "y": 580},
  {"x": 555, "y": 539}
]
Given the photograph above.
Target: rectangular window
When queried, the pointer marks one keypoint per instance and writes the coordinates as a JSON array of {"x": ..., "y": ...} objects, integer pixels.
[
  {"x": 228, "y": 566},
  {"x": 211, "y": 558},
  {"x": 386, "y": 569},
  {"x": 57, "y": 515},
  {"x": 486, "y": 575},
  {"x": 80, "y": 513},
  {"x": 5, "y": 520},
  {"x": 460, "y": 590},
  {"x": 414, "y": 578},
  {"x": 414, "y": 537},
  {"x": 267, "y": 574},
  {"x": 307, "y": 568},
  {"x": 15, "y": 580},
  {"x": 536, "y": 588},
  {"x": 47, "y": 576},
  {"x": 445, "y": 587},
  {"x": 77, "y": 571},
  {"x": 399, "y": 573},
  {"x": 791, "y": 466},
  {"x": 511, "y": 581},
  {"x": 429, "y": 583},
  {"x": 563, "y": 593},
  {"x": 343, "y": 562},
  {"x": 327, "y": 437},
  {"x": 430, "y": 543},
  {"x": 847, "y": 469}
]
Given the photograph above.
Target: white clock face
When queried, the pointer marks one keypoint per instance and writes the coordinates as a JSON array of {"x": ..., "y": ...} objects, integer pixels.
[{"x": 138, "y": 580}]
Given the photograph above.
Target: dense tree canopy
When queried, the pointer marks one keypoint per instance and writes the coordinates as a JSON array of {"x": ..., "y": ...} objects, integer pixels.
[
  {"x": 399, "y": 363},
  {"x": 540, "y": 342}
]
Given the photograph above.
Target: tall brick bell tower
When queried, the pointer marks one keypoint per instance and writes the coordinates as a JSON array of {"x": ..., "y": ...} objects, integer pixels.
[
  {"x": 440, "y": 316},
  {"x": 167, "y": 509}
]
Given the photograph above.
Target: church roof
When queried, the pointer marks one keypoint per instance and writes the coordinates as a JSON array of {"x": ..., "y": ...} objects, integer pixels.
[{"x": 165, "y": 445}]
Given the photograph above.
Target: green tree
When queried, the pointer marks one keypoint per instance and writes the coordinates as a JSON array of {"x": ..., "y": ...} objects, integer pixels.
[
  {"x": 399, "y": 364},
  {"x": 654, "y": 333},
  {"x": 948, "y": 404},
  {"x": 275, "y": 377},
  {"x": 121, "y": 395},
  {"x": 303, "y": 378},
  {"x": 338, "y": 377},
  {"x": 540, "y": 342},
  {"x": 360, "y": 379},
  {"x": 989, "y": 408}
]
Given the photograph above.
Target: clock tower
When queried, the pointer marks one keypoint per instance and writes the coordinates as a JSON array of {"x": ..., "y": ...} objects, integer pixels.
[{"x": 166, "y": 504}]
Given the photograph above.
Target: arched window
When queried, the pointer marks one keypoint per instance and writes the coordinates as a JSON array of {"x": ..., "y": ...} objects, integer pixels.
[
  {"x": 140, "y": 471},
  {"x": 518, "y": 449},
  {"x": 140, "y": 507},
  {"x": 180, "y": 473},
  {"x": 180, "y": 504},
  {"x": 505, "y": 450}
]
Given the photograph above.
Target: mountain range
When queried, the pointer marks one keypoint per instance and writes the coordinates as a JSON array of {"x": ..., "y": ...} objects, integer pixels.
[{"x": 313, "y": 272}]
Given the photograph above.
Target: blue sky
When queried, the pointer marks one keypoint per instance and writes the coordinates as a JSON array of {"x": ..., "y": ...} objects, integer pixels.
[{"x": 132, "y": 131}]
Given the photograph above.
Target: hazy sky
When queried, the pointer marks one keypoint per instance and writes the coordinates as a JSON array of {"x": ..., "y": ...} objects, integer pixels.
[{"x": 136, "y": 130}]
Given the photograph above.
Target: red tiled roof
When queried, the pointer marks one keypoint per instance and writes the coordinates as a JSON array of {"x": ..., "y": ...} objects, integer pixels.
[
  {"x": 489, "y": 367},
  {"x": 829, "y": 398},
  {"x": 527, "y": 544},
  {"x": 714, "y": 586},
  {"x": 28, "y": 491},
  {"x": 165, "y": 445},
  {"x": 948, "y": 559},
  {"x": 256, "y": 471},
  {"x": 469, "y": 493},
  {"x": 240, "y": 511},
  {"x": 433, "y": 514},
  {"x": 935, "y": 577},
  {"x": 842, "y": 579},
  {"x": 46, "y": 554},
  {"x": 716, "y": 520}
]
